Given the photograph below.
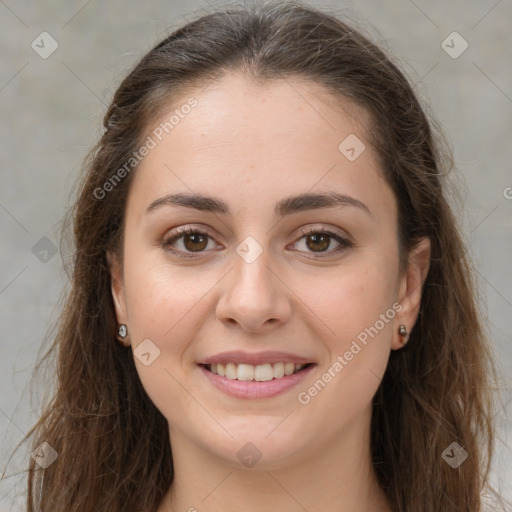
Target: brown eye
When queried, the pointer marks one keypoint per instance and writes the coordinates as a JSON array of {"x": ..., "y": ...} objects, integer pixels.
[
  {"x": 185, "y": 241},
  {"x": 318, "y": 242},
  {"x": 195, "y": 242}
]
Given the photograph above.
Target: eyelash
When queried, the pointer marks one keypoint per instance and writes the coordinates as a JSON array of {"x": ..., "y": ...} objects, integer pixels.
[{"x": 187, "y": 230}]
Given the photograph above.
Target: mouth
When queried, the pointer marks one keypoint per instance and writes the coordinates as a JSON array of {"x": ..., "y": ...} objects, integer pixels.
[
  {"x": 262, "y": 381},
  {"x": 257, "y": 373}
]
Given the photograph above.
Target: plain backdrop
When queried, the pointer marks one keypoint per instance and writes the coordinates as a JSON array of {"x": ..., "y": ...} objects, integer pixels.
[{"x": 51, "y": 108}]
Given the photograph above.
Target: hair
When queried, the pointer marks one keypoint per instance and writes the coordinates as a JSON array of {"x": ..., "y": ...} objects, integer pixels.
[{"x": 112, "y": 442}]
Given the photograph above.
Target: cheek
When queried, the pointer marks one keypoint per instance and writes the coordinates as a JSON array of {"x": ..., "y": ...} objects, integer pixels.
[
  {"x": 352, "y": 297},
  {"x": 160, "y": 296},
  {"x": 358, "y": 311},
  {"x": 165, "y": 307}
]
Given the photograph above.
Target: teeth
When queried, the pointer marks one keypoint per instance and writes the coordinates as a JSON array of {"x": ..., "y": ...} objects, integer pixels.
[
  {"x": 262, "y": 372},
  {"x": 246, "y": 372},
  {"x": 289, "y": 368},
  {"x": 259, "y": 373},
  {"x": 231, "y": 372},
  {"x": 278, "y": 370}
]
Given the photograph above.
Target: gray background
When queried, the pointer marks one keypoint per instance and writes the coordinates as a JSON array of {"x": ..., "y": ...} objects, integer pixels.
[{"x": 51, "y": 113}]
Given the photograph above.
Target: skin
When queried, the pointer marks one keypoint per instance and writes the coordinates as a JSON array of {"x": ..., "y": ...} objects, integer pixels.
[{"x": 252, "y": 145}]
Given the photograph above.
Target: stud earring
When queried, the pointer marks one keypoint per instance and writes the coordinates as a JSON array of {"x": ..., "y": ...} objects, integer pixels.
[
  {"x": 122, "y": 334},
  {"x": 402, "y": 331}
]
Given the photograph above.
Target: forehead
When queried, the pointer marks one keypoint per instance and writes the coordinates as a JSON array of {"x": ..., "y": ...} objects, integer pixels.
[
  {"x": 287, "y": 108},
  {"x": 242, "y": 138}
]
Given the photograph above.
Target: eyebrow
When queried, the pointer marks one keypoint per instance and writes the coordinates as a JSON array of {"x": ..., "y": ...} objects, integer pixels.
[{"x": 286, "y": 206}]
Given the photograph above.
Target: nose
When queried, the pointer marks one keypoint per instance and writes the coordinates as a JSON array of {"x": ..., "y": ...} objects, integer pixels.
[{"x": 254, "y": 297}]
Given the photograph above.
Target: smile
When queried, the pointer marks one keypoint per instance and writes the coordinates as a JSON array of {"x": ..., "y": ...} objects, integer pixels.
[
  {"x": 258, "y": 373},
  {"x": 253, "y": 382}
]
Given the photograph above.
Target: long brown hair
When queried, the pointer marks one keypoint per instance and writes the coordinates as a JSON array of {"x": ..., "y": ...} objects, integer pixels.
[{"x": 112, "y": 443}]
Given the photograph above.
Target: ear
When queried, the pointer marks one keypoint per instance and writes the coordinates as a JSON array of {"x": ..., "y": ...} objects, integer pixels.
[
  {"x": 117, "y": 287},
  {"x": 410, "y": 290}
]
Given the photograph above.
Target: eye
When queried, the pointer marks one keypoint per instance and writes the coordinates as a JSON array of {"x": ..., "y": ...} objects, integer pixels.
[
  {"x": 194, "y": 241},
  {"x": 319, "y": 240}
]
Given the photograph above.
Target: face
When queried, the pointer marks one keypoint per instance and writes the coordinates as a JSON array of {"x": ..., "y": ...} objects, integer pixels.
[{"x": 275, "y": 280}]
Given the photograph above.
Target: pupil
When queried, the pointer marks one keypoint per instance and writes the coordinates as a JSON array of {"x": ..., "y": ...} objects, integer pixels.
[
  {"x": 317, "y": 238},
  {"x": 195, "y": 237}
]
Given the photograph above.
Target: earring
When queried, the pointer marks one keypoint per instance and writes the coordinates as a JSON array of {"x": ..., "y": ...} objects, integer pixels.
[
  {"x": 122, "y": 334},
  {"x": 402, "y": 331}
]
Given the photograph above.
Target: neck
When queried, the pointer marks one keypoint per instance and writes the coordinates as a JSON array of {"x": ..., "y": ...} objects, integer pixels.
[{"x": 334, "y": 476}]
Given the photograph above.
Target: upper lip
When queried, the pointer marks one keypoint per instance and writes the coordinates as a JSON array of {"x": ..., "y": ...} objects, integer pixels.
[{"x": 255, "y": 358}]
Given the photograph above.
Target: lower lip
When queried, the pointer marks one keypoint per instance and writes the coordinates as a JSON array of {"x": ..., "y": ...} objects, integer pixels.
[{"x": 254, "y": 389}]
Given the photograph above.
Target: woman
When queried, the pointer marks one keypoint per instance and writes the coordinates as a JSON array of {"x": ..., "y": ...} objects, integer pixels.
[{"x": 263, "y": 228}]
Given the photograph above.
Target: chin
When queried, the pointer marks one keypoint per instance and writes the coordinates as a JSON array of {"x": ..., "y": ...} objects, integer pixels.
[{"x": 254, "y": 448}]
